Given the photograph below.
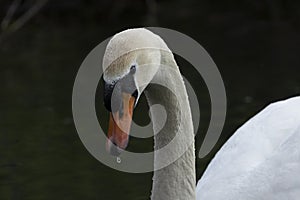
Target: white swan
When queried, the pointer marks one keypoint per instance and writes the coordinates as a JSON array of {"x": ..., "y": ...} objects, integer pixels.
[{"x": 260, "y": 161}]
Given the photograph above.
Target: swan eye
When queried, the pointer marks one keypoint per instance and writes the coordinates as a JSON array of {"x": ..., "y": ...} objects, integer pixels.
[
  {"x": 135, "y": 94},
  {"x": 132, "y": 69}
]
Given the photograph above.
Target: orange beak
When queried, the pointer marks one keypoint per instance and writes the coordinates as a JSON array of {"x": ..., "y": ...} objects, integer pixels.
[{"x": 119, "y": 126}]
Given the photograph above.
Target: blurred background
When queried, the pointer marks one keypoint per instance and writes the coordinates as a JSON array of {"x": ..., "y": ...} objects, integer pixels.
[{"x": 255, "y": 44}]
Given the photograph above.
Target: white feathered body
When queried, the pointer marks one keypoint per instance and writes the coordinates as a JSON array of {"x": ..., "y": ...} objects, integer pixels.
[{"x": 261, "y": 161}]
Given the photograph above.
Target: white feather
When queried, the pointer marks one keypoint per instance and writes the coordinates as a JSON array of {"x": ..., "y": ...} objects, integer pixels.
[{"x": 261, "y": 160}]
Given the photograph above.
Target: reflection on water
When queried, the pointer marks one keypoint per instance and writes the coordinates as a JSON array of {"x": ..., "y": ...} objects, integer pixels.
[{"x": 41, "y": 156}]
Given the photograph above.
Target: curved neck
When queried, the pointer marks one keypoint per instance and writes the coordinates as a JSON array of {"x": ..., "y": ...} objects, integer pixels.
[{"x": 176, "y": 180}]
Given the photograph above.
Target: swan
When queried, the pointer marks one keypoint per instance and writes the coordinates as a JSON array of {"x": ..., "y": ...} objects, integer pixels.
[{"x": 260, "y": 161}]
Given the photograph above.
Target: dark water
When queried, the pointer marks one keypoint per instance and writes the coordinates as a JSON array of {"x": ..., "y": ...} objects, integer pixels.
[{"x": 41, "y": 155}]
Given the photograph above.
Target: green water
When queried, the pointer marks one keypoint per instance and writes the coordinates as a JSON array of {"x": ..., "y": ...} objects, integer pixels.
[{"x": 41, "y": 155}]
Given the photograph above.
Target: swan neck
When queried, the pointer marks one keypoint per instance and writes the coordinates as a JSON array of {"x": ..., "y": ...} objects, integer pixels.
[{"x": 174, "y": 143}]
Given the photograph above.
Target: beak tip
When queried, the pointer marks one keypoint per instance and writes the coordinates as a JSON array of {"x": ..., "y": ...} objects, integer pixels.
[{"x": 113, "y": 149}]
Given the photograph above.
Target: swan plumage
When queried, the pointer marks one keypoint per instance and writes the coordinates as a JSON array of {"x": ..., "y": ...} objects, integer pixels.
[{"x": 260, "y": 161}]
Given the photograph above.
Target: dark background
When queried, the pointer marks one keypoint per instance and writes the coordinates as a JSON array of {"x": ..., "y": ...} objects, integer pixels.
[{"x": 255, "y": 44}]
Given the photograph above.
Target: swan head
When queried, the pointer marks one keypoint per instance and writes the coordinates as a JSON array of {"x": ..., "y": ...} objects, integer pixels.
[{"x": 131, "y": 59}]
